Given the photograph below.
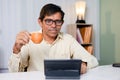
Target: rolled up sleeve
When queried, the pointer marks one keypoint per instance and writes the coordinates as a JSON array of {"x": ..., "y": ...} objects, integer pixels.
[
  {"x": 13, "y": 63},
  {"x": 18, "y": 62}
]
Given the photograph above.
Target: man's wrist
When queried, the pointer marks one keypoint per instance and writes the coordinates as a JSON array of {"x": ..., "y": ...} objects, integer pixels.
[
  {"x": 85, "y": 63},
  {"x": 16, "y": 48}
]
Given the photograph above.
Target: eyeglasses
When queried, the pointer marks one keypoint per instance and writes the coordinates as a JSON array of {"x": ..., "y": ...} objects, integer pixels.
[{"x": 50, "y": 22}]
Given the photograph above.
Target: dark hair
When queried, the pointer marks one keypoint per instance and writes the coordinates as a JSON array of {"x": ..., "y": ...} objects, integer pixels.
[{"x": 50, "y": 9}]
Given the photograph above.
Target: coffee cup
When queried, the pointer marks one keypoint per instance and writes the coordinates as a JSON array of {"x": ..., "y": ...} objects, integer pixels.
[{"x": 36, "y": 37}]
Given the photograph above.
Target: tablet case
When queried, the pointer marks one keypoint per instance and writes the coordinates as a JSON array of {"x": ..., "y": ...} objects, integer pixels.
[{"x": 62, "y": 69}]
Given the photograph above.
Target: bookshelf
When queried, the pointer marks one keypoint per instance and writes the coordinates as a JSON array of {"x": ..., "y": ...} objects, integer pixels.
[{"x": 83, "y": 34}]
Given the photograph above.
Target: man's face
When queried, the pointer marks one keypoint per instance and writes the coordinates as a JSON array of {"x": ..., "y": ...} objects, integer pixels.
[{"x": 51, "y": 25}]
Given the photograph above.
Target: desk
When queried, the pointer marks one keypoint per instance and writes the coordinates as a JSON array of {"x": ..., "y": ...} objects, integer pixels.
[{"x": 106, "y": 72}]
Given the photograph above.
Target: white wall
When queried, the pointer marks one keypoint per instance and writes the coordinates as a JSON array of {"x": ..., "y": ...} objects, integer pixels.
[{"x": 17, "y": 15}]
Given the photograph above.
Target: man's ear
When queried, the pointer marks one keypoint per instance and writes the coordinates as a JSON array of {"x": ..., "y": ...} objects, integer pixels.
[{"x": 40, "y": 22}]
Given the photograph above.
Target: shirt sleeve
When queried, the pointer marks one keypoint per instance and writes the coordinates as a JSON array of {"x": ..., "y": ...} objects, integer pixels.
[
  {"x": 18, "y": 62},
  {"x": 78, "y": 52},
  {"x": 13, "y": 64}
]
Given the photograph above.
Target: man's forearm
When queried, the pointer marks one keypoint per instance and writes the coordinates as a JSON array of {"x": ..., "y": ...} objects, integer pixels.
[{"x": 16, "y": 48}]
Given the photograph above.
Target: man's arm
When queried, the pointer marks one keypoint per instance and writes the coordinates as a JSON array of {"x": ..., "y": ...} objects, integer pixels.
[
  {"x": 14, "y": 63},
  {"x": 78, "y": 52},
  {"x": 18, "y": 62},
  {"x": 18, "y": 58}
]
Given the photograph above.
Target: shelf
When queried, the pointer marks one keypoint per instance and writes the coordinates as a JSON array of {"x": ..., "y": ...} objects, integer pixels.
[
  {"x": 89, "y": 44},
  {"x": 83, "y": 34},
  {"x": 79, "y": 25}
]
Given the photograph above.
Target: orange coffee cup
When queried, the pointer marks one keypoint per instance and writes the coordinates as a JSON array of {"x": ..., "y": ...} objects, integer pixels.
[{"x": 36, "y": 37}]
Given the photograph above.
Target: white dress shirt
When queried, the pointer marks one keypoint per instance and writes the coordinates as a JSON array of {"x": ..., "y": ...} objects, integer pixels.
[{"x": 64, "y": 47}]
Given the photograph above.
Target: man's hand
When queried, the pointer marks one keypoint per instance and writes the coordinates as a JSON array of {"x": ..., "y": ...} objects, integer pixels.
[
  {"x": 22, "y": 38},
  {"x": 83, "y": 67}
]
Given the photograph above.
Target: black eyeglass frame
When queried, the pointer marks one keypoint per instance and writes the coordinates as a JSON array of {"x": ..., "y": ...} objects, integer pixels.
[{"x": 50, "y": 22}]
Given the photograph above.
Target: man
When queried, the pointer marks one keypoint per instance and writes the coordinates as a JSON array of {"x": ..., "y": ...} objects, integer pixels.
[{"x": 55, "y": 45}]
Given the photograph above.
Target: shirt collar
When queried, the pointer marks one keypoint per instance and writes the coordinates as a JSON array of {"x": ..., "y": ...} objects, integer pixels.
[{"x": 60, "y": 35}]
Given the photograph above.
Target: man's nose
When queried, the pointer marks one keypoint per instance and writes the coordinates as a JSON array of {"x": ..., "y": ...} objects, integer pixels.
[{"x": 54, "y": 24}]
